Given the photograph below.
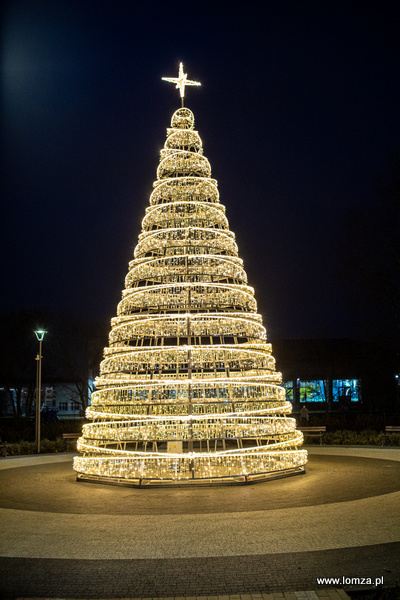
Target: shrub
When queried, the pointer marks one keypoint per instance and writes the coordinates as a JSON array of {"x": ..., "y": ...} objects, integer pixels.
[
  {"x": 360, "y": 438},
  {"x": 24, "y": 447}
]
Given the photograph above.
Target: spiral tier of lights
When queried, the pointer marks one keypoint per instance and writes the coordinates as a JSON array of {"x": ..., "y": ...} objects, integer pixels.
[{"x": 187, "y": 391}]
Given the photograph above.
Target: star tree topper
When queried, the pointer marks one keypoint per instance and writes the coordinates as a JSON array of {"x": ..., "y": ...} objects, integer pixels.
[{"x": 181, "y": 81}]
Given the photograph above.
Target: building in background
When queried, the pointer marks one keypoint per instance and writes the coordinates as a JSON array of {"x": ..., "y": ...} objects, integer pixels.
[{"x": 59, "y": 400}]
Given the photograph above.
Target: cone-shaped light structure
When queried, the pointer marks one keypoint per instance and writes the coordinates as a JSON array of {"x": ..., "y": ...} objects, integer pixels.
[{"x": 187, "y": 391}]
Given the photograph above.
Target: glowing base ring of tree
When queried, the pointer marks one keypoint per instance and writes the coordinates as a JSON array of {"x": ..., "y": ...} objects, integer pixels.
[{"x": 150, "y": 468}]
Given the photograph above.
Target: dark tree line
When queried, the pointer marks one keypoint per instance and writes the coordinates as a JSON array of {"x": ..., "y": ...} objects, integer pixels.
[{"x": 72, "y": 351}]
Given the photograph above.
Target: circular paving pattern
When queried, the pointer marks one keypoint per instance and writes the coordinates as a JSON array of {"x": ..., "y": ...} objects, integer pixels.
[
  {"x": 329, "y": 479},
  {"x": 64, "y": 539}
]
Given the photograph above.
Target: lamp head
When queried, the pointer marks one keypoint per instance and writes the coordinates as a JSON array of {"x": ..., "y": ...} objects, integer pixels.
[{"x": 40, "y": 333}]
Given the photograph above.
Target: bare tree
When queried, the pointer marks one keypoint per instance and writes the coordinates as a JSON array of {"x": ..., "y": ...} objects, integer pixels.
[
  {"x": 79, "y": 351},
  {"x": 72, "y": 352},
  {"x": 18, "y": 350}
]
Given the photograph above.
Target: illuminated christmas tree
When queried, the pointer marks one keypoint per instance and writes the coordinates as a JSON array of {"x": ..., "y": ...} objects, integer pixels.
[{"x": 187, "y": 391}]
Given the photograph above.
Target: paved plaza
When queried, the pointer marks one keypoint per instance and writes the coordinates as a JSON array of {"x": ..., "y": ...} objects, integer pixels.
[{"x": 63, "y": 539}]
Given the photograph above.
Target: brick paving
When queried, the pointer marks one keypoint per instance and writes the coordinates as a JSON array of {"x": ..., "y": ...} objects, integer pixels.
[
  {"x": 84, "y": 579},
  {"x": 52, "y": 487},
  {"x": 331, "y": 594}
]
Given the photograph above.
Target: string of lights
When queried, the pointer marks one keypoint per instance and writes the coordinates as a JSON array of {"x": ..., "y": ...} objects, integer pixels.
[{"x": 187, "y": 391}]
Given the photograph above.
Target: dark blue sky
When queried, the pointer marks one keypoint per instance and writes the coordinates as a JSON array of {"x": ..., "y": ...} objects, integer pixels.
[{"x": 298, "y": 112}]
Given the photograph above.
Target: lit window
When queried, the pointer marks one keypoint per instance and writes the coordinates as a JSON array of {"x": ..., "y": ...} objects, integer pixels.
[
  {"x": 314, "y": 390},
  {"x": 288, "y": 385},
  {"x": 346, "y": 390}
]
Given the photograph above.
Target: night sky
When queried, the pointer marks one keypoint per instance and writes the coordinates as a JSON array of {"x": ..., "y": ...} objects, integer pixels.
[{"x": 298, "y": 112}]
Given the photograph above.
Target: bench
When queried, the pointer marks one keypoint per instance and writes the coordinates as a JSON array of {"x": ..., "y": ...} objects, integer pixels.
[
  {"x": 313, "y": 432},
  {"x": 70, "y": 438},
  {"x": 389, "y": 429}
]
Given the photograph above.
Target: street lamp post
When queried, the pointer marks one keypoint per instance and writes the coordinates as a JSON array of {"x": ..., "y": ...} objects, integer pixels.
[{"x": 40, "y": 333}]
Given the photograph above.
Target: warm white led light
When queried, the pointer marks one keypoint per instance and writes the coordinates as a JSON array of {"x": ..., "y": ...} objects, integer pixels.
[
  {"x": 187, "y": 365},
  {"x": 181, "y": 81}
]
